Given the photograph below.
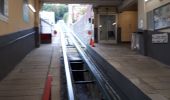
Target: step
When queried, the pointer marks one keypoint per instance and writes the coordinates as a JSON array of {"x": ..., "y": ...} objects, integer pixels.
[{"x": 84, "y": 82}]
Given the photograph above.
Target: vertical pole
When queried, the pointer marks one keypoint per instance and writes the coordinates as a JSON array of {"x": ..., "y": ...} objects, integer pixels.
[{"x": 37, "y": 23}]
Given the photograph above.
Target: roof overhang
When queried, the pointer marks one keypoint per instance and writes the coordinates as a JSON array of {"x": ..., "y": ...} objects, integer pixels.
[
  {"x": 93, "y": 2},
  {"x": 120, "y": 4}
]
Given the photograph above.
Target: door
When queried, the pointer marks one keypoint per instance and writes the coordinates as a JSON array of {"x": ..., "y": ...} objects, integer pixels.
[
  {"x": 128, "y": 24},
  {"x": 107, "y": 29}
]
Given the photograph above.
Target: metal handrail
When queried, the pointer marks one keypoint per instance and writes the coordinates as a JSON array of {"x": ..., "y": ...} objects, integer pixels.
[
  {"x": 15, "y": 40},
  {"x": 67, "y": 70}
]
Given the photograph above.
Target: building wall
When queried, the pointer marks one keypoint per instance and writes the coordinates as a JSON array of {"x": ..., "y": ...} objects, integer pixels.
[
  {"x": 128, "y": 24},
  {"x": 159, "y": 51},
  {"x": 155, "y": 4},
  {"x": 144, "y": 7},
  {"x": 127, "y": 21},
  {"x": 17, "y": 37},
  {"x": 141, "y": 15},
  {"x": 15, "y": 19},
  {"x": 101, "y": 10},
  {"x": 152, "y": 4}
]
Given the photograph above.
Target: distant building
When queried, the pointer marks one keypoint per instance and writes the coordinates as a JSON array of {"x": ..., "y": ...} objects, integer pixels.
[
  {"x": 76, "y": 11},
  {"x": 48, "y": 16},
  {"x": 47, "y": 22}
]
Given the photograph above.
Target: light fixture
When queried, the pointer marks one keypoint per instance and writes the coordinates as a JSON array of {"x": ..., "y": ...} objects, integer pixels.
[
  {"x": 146, "y": 0},
  {"x": 31, "y": 7},
  {"x": 114, "y": 24}
]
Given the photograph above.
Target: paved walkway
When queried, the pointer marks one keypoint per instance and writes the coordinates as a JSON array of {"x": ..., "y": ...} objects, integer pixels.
[
  {"x": 27, "y": 80},
  {"x": 151, "y": 76}
]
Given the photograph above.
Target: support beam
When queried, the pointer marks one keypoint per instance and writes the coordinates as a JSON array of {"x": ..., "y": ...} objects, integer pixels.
[
  {"x": 79, "y": 70},
  {"x": 94, "y": 2},
  {"x": 126, "y": 4},
  {"x": 84, "y": 82}
]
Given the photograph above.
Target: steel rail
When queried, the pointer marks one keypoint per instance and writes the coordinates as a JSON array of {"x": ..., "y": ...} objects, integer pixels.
[
  {"x": 17, "y": 39},
  {"x": 107, "y": 89},
  {"x": 109, "y": 92},
  {"x": 70, "y": 90}
]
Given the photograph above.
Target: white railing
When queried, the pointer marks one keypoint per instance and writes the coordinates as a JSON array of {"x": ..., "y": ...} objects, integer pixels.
[
  {"x": 46, "y": 28},
  {"x": 82, "y": 27}
]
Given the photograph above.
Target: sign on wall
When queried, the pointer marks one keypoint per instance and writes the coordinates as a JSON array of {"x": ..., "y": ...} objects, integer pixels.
[
  {"x": 160, "y": 38},
  {"x": 25, "y": 11}
]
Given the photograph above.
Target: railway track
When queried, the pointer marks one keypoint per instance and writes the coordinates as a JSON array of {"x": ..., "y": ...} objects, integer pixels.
[
  {"x": 86, "y": 77},
  {"x": 84, "y": 80}
]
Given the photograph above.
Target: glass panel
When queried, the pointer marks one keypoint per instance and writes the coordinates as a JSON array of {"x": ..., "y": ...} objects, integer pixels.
[
  {"x": 2, "y": 7},
  {"x": 111, "y": 23},
  {"x": 6, "y": 8},
  {"x": 107, "y": 27},
  {"x": 103, "y": 27}
]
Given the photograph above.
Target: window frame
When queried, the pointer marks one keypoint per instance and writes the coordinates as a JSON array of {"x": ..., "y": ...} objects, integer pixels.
[{"x": 4, "y": 14}]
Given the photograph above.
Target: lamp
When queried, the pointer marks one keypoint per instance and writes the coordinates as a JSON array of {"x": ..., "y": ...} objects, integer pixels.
[
  {"x": 114, "y": 24},
  {"x": 31, "y": 7},
  {"x": 147, "y": 0}
]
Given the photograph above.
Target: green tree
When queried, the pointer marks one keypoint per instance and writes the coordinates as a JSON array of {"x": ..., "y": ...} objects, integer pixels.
[
  {"x": 59, "y": 10},
  {"x": 65, "y": 18}
]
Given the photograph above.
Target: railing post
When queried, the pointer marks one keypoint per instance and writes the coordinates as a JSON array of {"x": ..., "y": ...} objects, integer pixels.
[{"x": 70, "y": 89}]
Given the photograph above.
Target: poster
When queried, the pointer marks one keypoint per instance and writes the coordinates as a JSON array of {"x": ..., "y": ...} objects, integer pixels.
[
  {"x": 25, "y": 11},
  {"x": 162, "y": 17}
]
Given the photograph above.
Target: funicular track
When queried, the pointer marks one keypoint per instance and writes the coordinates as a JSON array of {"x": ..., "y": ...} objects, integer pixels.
[
  {"x": 84, "y": 80},
  {"x": 87, "y": 79}
]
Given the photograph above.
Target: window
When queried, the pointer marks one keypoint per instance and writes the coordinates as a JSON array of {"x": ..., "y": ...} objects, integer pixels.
[
  {"x": 2, "y": 7},
  {"x": 25, "y": 11},
  {"x": 4, "y": 10}
]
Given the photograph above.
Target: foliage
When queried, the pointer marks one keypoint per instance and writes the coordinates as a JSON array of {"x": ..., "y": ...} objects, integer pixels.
[
  {"x": 59, "y": 10},
  {"x": 65, "y": 18}
]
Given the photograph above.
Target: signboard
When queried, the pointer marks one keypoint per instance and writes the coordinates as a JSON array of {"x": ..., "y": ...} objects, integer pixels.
[
  {"x": 160, "y": 38},
  {"x": 25, "y": 11}
]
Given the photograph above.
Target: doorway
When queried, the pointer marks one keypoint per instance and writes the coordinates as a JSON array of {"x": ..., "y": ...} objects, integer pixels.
[{"x": 107, "y": 28}]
